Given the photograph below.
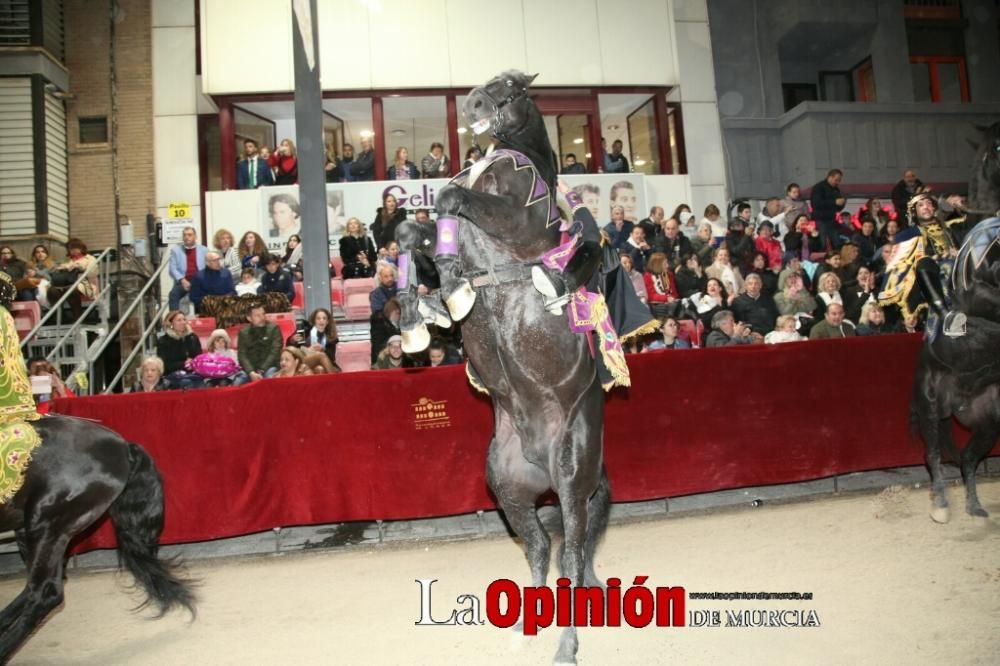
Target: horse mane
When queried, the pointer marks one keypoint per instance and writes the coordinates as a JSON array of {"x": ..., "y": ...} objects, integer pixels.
[{"x": 984, "y": 186}]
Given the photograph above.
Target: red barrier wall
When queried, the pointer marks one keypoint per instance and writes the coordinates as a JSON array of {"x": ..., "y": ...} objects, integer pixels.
[{"x": 412, "y": 443}]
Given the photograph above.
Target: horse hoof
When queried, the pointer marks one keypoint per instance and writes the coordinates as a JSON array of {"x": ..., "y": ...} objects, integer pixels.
[
  {"x": 415, "y": 340},
  {"x": 940, "y": 515},
  {"x": 977, "y": 511},
  {"x": 460, "y": 302},
  {"x": 518, "y": 641}
]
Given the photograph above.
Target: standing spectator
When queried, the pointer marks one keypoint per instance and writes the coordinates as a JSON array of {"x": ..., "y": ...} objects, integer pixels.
[
  {"x": 623, "y": 194},
  {"x": 286, "y": 163},
  {"x": 347, "y": 164},
  {"x": 872, "y": 210},
  {"x": 178, "y": 346},
  {"x": 224, "y": 243},
  {"x": 690, "y": 277},
  {"x": 436, "y": 164},
  {"x": 571, "y": 166},
  {"x": 827, "y": 201},
  {"x": 901, "y": 194},
  {"x": 803, "y": 240},
  {"x": 265, "y": 154},
  {"x": 661, "y": 289},
  {"x": 386, "y": 289},
  {"x": 357, "y": 251},
  {"x": 387, "y": 218},
  {"x": 472, "y": 155},
  {"x": 704, "y": 245},
  {"x": 615, "y": 162},
  {"x": 767, "y": 245},
  {"x": 672, "y": 242},
  {"x": 186, "y": 260},
  {"x": 402, "y": 168},
  {"x": 363, "y": 168},
  {"x": 213, "y": 280},
  {"x": 726, "y": 332},
  {"x": 866, "y": 240},
  {"x": 252, "y": 171},
  {"x": 792, "y": 204},
  {"x": 275, "y": 279},
  {"x": 333, "y": 169},
  {"x": 776, "y": 215},
  {"x": 755, "y": 308},
  {"x": 637, "y": 247},
  {"x": 714, "y": 218},
  {"x": 737, "y": 241},
  {"x": 251, "y": 251},
  {"x": 259, "y": 347},
  {"x": 833, "y": 325},
  {"x": 652, "y": 226},
  {"x": 618, "y": 229}
]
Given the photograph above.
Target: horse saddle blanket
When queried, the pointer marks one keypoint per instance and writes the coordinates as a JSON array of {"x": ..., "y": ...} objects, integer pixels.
[{"x": 17, "y": 442}]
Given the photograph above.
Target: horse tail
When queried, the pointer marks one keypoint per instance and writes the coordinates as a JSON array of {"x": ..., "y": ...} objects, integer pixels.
[{"x": 137, "y": 514}]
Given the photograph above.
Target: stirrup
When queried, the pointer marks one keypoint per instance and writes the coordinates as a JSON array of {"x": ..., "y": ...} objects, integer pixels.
[
  {"x": 545, "y": 285},
  {"x": 954, "y": 324}
]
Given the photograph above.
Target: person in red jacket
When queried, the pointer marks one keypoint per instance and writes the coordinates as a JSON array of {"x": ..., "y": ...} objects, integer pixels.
[
  {"x": 661, "y": 289},
  {"x": 766, "y": 243},
  {"x": 285, "y": 162}
]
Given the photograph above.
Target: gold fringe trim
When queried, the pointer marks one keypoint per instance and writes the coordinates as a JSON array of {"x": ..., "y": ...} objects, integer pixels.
[
  {"x": 473, "y": 381},
  {"x": 649, "y": 327}
]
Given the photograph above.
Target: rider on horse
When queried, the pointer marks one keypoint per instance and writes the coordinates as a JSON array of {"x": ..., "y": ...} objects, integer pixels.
[{"x": 924, "y": 256}]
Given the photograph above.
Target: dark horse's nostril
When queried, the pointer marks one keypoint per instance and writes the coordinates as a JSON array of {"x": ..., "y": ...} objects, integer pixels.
[{"x": 479, "y": 104}]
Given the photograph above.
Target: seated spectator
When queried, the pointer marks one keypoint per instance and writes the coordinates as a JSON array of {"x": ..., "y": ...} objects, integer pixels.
[
  {"x": 619, "y": 230},
  {"x": 827, "y": 293},
  {"x": 690, "y": 278},
  {"x": 704, "y": 245},
  {"x": 435, "y": 163},
  {"x": 724, "y": 271},
  {"x": 713, "y": 216},
  {"x": 833, "y": 324},
  {"x": 804, "y": 241},
  {"x": 402, "y": 168},
  {"x": 872, "y": 321},
  {"x": 669, "y": 330},
  {"x": 872, "y": 210},
  {"x": 793, "y": 266},
  {"x": 755, "y": 308},
  {"x": 292, "y": 363},
  {"x": 384, "y": 325},
  {"x": 177, "y": 347},
  {"x": 68, "y": 272},
  {"x": 439, "y": 353},
  {"x": 357, "y": 251},
  {"x": 910, "y": 324},
  {"x": 275, "y": 279},
  {"x": 17, "y": 269},
  {"x": 40, "y": 265},
  {"x": 220, "y": 344},
  {"x": 637, "y": 278},
  {"x": 888, "y": 234},
  {"x": 637, "y": 248},
  {"x": 387, "y": 218},
  {"x": 769, "y": 276},
  {"x": 673, "y": 243},
  {"x": 866, "y": 240},
  {"x": 150, "y": 376},
  {"x": 862, "y": 293},
  {"x": 391, "y": 254},
  {"x": 831, "y": 264},
  {"x": 784, "y": 331},
  {"x": 317, "y": 337},
  {"x": 712, "y": 301},
  {"x": 249, "y": 284},
  {"x": 726, "y": 332},
  {"x": 793, "y": 203},
  {"x": 850, "y": 262},
  {"x": 392, "y": 356},
  {"x": 252, "y": 250},
  {"x": 795, "y": 299},
  {"x": 571, "y": 166},
  {"x": 292, "y": 261},
  {"x": 472, "y": 155},
  {"x": 661, "y": 289},
  {"x": 259, "y": 347},
  {"x": 386, "y": 289},
  {"x": 226, "y": 246},
  {"x": 738, "y": 240},
  {"x": 40, "y": 367},
  {"x": 882, "y": 260},
  {"x": 774, "y": 214},
  {"x": 767, "y": 245},
  {"x": 213, "y": 280}
]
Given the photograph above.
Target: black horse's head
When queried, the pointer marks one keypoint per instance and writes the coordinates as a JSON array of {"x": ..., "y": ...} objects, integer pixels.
[{"x": 502, "y": 109}]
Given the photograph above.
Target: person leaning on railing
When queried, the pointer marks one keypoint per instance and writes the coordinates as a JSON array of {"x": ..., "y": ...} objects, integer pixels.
[{"x": 65, "y": 274}]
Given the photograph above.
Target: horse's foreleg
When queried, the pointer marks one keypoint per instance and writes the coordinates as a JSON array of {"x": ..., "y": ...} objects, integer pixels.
[
  {"x": 979, "y": 446},
  {"x": 598, "y": 510},
  {"x": 497, "y": 215},
  {"x": 933, "y": 430}
]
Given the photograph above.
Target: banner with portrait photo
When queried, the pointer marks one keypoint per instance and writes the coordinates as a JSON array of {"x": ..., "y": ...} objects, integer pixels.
[{"x": 602, "y": 192}]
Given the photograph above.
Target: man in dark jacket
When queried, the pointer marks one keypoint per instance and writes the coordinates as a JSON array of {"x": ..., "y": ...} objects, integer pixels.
[
  {"x": 212, "y": 280},
  {"x": 827, "y": 201},
  {"x": 652, "y": 225},
  {"x": 276, "y": 279},
  {"x": 672, "y": 243},
  {"x": 833, "y": 325},
  {"x": 737, "y": 242},
  {"x": 259, "y": 347},
  {"x": 905, "y": 190},
  {"x": 755, "y": 308},
  {"x": 725, "y": 331},
  {"x": 363, "y": 166}
]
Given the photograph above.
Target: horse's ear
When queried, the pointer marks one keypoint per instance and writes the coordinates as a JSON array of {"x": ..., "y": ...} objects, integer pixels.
[{"x": 530, "y": 78}]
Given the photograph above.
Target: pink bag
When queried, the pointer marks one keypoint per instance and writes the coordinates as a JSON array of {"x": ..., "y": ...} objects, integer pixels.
[{"x": 213, "y": 365}]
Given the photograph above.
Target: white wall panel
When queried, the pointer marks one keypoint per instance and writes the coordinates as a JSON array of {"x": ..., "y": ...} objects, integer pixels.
[
  {"x": 344, "y": 46},
  {"x": 402, "y": 34},
  {"x": 694, "y": 63},
  {"x": 690, "y": 10},
  {"x": 246, "y": 46},
  {"x": 703, "y": 142},
  {"x": 474, "y": 59},
  {"x": 563, "y": 58},
  {"x": 702, "y": 195},
  {"x": 173, "y": 71},
  {"x": 666, "y": 191},
  {"x": 635, "y": 43},
  {"x": 173, "y": 13},
  {"x": 176, "y": 149}
]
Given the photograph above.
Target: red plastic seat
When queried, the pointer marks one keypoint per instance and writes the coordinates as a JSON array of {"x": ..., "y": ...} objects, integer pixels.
[
  {"x": 285, "y": 321},
  {"x": 356, "y": 285},
  {"x": 338, "y": 265},
  {"x": 202, "y": 327},
  {"x": 357, "y": 307},
  {"x": 354, "y": 356},
  {"x": 337, "y": 291},
  {"x": 26, "y": 315},
  {"x": 299, "y": 302},
  {"x": 690, "y": 331}
]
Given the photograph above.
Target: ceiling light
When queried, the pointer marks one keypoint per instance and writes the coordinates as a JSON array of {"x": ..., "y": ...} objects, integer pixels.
[
  {"x": 613, "y": 128},
  {"x": 398, "y": 132},
  {"x": 366, "y": 134},
  {"x": 639, "y": 162},
  {"x": 578, "y": 141},
  {"x": 462, "y": 130},
  {"x": 587, "y": 156}
]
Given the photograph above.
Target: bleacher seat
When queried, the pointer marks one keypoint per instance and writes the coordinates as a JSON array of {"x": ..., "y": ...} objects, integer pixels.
[
  {"x": 357, "y": 307},
  {"x": 358, "y": 285},
  {"x": 26, "y": 315},
  {"x": 354, "y": 356},
  {"x": 299, "y": 302},
  {"x": 285, "y": 321},
  {"x": 338, "y": 265},
  {"x": 202, "y": 327},
  {"x": 337, "y": 291},
  {"x": 690, "y": 331}
]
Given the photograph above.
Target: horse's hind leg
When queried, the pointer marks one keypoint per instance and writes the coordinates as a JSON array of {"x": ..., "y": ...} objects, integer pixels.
[{"x": 979, "y": 445}]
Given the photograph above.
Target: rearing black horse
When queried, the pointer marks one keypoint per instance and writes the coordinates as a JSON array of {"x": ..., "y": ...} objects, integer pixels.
[{"x": 547, "y": 399}]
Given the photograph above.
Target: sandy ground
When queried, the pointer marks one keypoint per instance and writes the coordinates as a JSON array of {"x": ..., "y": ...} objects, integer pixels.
[{"x": 890, "y": 587}]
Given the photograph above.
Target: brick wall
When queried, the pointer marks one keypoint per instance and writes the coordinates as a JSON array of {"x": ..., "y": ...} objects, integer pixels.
[{"x": 91, "y": 196}]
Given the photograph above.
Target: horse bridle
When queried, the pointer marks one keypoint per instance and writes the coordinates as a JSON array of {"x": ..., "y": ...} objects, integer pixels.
[{"x": 498, "y": 106}]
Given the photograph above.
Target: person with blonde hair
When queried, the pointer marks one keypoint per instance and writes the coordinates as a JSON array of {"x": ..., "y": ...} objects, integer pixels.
[
  {"x": 150, "y": 376},
  {"x": 285, "y": 163},
  {"x": 292, "y": 363},
  {"x": 224, "y": 243},
  {"x": 402, "y": 168},
  {"x": 357, "y": 251},
  {"x": 784, "y": 331}
]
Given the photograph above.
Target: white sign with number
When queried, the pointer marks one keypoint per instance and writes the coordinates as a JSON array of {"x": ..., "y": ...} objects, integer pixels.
[{"x": 178, "y": 217}]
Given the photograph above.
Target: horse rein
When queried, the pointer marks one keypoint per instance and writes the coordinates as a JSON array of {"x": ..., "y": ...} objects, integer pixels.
[{"x": 499, "y": 105}]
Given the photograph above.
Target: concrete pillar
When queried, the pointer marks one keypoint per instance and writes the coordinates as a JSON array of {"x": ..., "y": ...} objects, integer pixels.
[
  {"x": 982, "y": 50},
  {"x": 891, "y": 55}
]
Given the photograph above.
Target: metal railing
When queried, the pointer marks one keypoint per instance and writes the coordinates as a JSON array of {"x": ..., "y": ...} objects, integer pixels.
[{"x": 140, "y": 304}]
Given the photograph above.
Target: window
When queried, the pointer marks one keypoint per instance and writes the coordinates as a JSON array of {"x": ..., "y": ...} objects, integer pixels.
[
  {"x": 643, "y": 140},
  {"x": 865, "y": 81},
  {"x": 414, "y": 123},
  {"x": 94, "y": 129},
  {"x": 796, "y": 93},
  {"x": 939, "y": 79}
]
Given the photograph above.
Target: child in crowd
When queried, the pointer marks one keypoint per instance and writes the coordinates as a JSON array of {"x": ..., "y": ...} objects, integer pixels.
[
  {"x": 784, "y": 331},
  {"x": 249, "y": 284}
]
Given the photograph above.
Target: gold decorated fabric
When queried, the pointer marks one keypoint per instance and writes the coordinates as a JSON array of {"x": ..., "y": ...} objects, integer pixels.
[
  {"x": 17, "y": 441},
  {"x": 16, "y": 401}
]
